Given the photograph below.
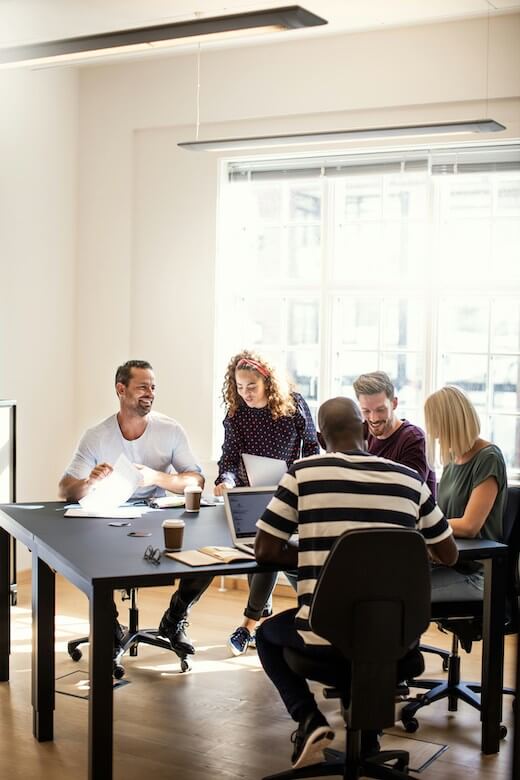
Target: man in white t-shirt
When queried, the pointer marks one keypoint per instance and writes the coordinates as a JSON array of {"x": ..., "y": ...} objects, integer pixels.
[{"x": 159, "y": 447}]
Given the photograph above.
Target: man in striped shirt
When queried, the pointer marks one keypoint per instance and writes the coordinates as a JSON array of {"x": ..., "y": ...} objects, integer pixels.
[{"x": 320, "y": 498}]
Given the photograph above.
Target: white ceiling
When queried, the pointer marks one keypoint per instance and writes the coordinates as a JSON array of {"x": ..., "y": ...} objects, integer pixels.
[{"x": 28, "y": 21}]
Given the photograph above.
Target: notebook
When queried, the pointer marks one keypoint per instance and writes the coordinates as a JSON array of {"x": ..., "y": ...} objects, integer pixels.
[
  {"x": 263, "y": 471},
  {"x": 243, "y": 506},
  {"x": 209, "y": 556}
]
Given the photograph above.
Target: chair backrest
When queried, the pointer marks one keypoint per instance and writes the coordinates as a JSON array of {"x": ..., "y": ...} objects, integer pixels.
[
  {"x": 372, "y": 602},
  {"x": 512, "y": 515},
  {"x": 512, "y": 538}
]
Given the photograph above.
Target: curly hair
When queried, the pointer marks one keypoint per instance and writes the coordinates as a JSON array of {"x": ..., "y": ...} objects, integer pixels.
[{"x": 279, "y": 393}]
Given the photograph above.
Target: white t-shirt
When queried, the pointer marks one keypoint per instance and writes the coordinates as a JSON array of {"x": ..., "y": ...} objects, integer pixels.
[{"x": 163, "y": 446}]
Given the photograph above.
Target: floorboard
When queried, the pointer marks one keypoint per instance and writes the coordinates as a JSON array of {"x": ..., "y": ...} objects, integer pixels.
[{"x": 222, "y": 720}]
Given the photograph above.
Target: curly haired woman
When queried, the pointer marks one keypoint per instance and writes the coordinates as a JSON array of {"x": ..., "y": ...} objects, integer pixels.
[{"x": 264, "y": 417}]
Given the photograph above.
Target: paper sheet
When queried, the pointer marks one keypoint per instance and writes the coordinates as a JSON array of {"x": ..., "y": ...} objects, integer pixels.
[
  {"x": 114, "y": 490},
  {"x": 117, "y": 512},
  {"x": 263, "y": 472}
]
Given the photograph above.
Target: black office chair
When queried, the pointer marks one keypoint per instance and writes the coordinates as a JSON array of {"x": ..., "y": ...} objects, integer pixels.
[
  {"x": 375, "y": 583},
  {"x": 464, "y": 620},
  {"x": 130, "y": 640}
]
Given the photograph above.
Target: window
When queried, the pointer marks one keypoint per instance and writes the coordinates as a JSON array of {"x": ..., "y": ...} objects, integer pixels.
[{"x": 408, "y": 263}]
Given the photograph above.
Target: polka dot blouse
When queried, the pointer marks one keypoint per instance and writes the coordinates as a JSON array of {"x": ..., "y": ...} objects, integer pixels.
[{"x": 254, "y": 431}]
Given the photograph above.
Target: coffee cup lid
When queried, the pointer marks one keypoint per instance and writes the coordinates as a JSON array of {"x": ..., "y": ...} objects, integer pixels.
[
  {"x": 173, "y": 522},
  {"x": 193, "y": 489}
]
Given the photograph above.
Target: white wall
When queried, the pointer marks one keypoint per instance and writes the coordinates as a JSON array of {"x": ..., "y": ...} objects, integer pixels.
[
  {"x": 38, "y": 202},
  {"x": 38, "y": 189},
  {"x": 108, "y": 231},
  {"x": 147, "y": 211}
]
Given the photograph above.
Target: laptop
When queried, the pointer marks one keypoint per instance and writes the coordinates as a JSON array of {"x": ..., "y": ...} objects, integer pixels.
[
  {"x": 262, "y": 471},
  {"x": 244, "y": 506}
]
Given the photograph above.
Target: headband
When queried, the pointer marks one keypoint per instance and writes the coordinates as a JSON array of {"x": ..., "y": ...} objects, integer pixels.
[{"x": 249, "y": 363}]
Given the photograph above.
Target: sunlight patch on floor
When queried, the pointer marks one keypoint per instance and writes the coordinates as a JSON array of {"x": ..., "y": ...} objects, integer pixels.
[{"x": 200, "y": 666}]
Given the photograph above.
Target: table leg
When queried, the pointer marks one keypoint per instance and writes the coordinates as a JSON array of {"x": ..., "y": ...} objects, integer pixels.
[
  {"x": 5, "y": 604},
  {"x": 100, "y": 747},
  {"x": 493, "y": 652},
  {"x": 43, "y": 612}
]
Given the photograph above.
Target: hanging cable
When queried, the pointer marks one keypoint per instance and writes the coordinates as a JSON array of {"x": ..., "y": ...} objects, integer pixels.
[{"x": 197, "y": 121}]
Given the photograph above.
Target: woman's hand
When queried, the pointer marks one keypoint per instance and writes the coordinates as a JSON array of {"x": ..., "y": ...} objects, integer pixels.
[{"x": 221, "y": 488}]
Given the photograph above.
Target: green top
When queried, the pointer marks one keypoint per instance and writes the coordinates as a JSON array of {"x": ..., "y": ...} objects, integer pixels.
[{"x": 458, "y": 482}]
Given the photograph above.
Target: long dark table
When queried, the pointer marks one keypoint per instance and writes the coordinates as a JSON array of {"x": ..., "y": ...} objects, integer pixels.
[{"x": 99, "y": 559}]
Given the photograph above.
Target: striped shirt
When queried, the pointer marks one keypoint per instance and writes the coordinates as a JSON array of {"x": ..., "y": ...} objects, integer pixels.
[{"x": 323, "y": 496}]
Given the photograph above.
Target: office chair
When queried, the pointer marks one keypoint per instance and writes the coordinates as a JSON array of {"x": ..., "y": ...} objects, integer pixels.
[
  {"x": 375, "y": 583},
  {"x": 130, "y": 640},
  {"x": 464, "y": 620}
]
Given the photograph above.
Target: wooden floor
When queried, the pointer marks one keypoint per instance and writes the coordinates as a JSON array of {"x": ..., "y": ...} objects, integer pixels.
[{"x": 222, "y": 720}]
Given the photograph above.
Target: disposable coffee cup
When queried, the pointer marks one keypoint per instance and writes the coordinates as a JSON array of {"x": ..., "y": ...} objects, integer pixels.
[
  {"x": 173, "y": 534},
  {"x": 192, "y": 494}
]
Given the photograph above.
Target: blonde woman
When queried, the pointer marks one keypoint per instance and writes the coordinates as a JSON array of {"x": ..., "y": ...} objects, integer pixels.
[
  {"x": 472, "y": 491},
  {"x": 264, "y": 417}
]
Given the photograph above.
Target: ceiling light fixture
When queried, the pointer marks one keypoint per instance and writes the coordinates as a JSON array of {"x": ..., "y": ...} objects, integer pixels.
[
  {"x": 163, "y": 35},
  {"x": 355, "y": 134},
  {"x": 332, "y": 136}
]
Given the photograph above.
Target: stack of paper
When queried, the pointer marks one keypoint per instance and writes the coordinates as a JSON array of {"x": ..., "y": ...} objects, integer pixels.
[{"x": 106, "y": 495}]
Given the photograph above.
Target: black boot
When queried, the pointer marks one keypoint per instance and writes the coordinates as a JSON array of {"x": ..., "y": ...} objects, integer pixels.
[{"x": 174, "y": 629}]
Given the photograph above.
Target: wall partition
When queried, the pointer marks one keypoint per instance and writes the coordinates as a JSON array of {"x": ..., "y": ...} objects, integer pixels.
[{"x": 8, "y": 472}]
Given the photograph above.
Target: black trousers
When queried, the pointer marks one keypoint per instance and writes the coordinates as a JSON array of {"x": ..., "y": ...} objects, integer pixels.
[
  {"x": 187, "y": 594},
  {"x": 271, "y": 637}
]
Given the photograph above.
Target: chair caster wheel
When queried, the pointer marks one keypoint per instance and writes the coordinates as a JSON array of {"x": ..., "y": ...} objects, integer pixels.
[
  {"x": 502, "y": 732},
  {"x": 118, "y": 671},
  {"x": 411, "y": 725},
  {"x": 76, "y": 654},
  {"x": 185, "y": 667}
]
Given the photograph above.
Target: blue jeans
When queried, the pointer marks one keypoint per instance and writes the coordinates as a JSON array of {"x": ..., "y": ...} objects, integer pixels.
[
  {"x": 271, "y": 638},
  {"x": 452, "y": 585}
]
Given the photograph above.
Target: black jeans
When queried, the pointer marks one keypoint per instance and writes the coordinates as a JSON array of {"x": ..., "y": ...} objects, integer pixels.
[
  {"x": 261, "y": 586},
  {"x": 187, "y": 594},
  {"x": 271, "y": 638}
]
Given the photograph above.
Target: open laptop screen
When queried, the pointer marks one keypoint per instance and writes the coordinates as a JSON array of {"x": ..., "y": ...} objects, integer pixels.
[{"x": 246, "y": 506}]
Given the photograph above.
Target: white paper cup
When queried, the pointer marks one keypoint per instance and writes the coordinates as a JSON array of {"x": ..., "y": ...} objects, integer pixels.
[
  {"x": 192, "y": 495},
  {"x": 173, "y": 534}
]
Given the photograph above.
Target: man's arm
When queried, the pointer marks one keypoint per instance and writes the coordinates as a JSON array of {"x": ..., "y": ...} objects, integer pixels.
[
  {"x": 413, "y": 455},
  {"x": 271, "y": 549},
  {"x": 444, "y": 552},
  {"x": 175, "y": 483},
  {"x": 72, "y": 489},
  {"x": 433, "y": 525}
]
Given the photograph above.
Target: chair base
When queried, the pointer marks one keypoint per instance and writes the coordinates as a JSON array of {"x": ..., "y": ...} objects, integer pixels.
[
  {"x": 453, "y": 689},
  {"x": 130, "y": 642},
  {"x": 466, "y": 692},
  {"x": 337, "y": 764}
]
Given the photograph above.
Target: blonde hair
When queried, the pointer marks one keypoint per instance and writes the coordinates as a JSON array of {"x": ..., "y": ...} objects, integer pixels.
[
  {"x": 279, "y": 399},
  {"x": 451, "y": 418}
]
